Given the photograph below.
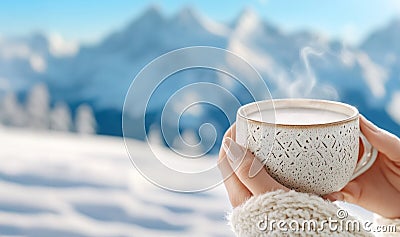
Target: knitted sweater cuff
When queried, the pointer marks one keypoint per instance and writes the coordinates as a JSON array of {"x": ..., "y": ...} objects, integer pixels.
[
  {"x": 386, "y": 227},
  {"x": 290, "y": 214}
]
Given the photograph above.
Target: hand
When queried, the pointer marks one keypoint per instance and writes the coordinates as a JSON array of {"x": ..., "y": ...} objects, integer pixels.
[
  {"x": 244, "y": 175},
  {"x": 378, "y": 189}
]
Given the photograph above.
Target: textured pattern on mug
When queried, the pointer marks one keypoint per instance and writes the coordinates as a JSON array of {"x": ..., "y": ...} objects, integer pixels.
[{"x": 319, "y": 159}]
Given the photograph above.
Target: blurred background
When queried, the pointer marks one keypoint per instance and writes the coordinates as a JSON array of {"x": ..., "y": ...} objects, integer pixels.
[{"x": 66, "y": 66}]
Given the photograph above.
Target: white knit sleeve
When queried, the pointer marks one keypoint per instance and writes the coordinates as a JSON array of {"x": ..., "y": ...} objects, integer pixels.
[
  {"x": 386, "y": 227},
  {"x": 281, "y": 213}
]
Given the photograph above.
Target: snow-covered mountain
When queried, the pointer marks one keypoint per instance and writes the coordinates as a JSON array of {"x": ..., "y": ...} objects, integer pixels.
[
  {"x": 293, "y": 64},
  {"x": 24, "y": 61},
  {"x": 21, "y": 61}
]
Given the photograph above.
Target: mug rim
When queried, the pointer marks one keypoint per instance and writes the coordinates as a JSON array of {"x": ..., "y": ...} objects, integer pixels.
[{"x": 303, "y": 102}]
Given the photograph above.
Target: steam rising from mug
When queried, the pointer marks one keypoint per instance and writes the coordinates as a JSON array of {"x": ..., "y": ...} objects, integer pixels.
[
  {"x": 305, "y": 83},
  {"x": 308, "y": 81}
]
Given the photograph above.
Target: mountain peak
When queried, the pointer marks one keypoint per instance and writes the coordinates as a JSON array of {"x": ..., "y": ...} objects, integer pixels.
[
  {"x": 248, "y": 23},
  {"x": 149, "y": 17},
  {"x": 152, "y": 12},
  {"x": 247, "y": 14},
  {"x": 187, "y": 13},
  {"x": 247, "y": 18}
]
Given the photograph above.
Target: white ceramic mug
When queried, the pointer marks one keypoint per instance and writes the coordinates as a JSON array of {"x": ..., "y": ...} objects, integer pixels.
[{"x": 319, "y": 156}]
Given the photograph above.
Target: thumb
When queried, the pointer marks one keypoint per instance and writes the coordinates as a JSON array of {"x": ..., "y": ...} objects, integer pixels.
[
  {"x": 351, "y": 193},
  {"x": 382, "y": 140}
]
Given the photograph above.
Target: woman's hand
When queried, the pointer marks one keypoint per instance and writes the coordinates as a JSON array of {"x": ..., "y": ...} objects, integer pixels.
[
  {"x": 378, "y": 189},
  {"x": 243, "y": 174}
]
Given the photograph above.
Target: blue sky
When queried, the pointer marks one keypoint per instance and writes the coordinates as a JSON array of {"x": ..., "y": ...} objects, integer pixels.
[{"x": 90, "y": 20}]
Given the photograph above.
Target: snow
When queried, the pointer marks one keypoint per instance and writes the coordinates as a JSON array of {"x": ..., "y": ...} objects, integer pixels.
[
  {"x": 59, "y": 47},
  {"x": 375, "y": 75},
  {"x": 214, "y": 27},
  {"x": 55, "y": 184},
  {"x": 85, "y": 121},
  {"x": 60, "y": 117},
  {"x": 38, "y": 106},
  {"x": 191, "y": 16},
  {"x": 37, "y": 62},
  {"x": 393, "y": 107},
  {"x": 248, "y": 23},
  {"x": 11, "y": 49}
]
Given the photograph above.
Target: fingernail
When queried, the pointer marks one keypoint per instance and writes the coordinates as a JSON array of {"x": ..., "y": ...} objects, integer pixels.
[
  {"x": 369, "y": 124},
  {"x": 255, "y": 168},
  {"x": 233, "y": 150}
]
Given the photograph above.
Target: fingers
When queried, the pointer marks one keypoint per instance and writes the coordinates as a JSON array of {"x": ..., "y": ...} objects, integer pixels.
[
  {"x": 231, "y": 132},
  {"x": 241, "y": 162},
  {"x": 237, "y": 192},
  {"x": 351, "y": 193},
  {"x": 336, "y": 196},
  {"x": 372, "y": 191},
  {"x": 243, "y": 174},
  {"x": 382, "y": 140}
]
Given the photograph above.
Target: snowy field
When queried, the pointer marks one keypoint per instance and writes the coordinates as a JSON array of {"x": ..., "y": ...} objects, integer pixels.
[{"x": 54, "y": 184}]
